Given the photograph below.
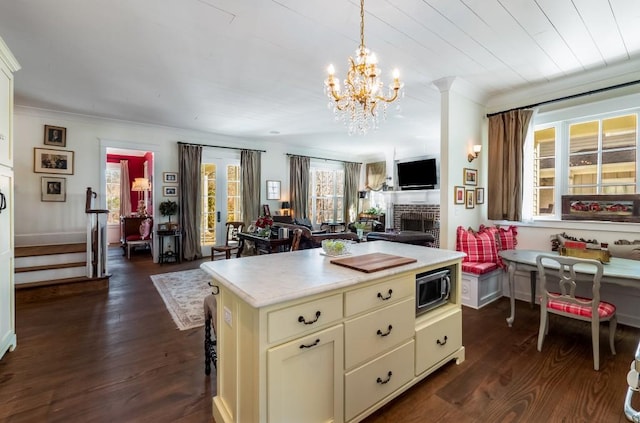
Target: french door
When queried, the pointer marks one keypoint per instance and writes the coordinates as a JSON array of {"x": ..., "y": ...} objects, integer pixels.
[{"x": 220, "y": 182}]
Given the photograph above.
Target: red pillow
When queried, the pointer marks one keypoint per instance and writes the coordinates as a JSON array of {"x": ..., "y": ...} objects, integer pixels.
[
  {"x": 508, "y": 239},
  {"x": 479, "y": 247}
]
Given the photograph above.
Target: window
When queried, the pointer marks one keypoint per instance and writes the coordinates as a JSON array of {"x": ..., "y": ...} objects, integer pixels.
[
  {"x": 113, "y": 192},
  {"x": 588, "y": 155},
  {"x": 326, "y": 194}
]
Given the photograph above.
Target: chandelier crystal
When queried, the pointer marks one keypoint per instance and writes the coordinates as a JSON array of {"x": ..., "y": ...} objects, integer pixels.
[{"x": 361, "y": 102}]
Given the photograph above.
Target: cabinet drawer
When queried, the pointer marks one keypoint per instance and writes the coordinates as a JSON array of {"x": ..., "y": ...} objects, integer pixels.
[
  {"x": 438, "y": 338},
  {"x": 304, "y": 317},
  {"x": 370, "y": 383},
  {"x": 369, "y": 335},
  {"x": 380, "y": 294}
]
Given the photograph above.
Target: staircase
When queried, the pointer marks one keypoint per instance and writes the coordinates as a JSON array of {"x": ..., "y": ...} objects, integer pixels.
[{"x": 47, "y": 271}]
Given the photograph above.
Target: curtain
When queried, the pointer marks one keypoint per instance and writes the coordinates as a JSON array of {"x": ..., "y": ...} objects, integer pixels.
[
  {"x": 250, "y": 179},
  {"x": 125, "y": 189},
  {"x": 376, "y": 175},
  {"x": 507, "y": 133},
  {"x": 299, "y": 185},
  {"x": 351, "y": 179},
  {"x": 189, "y": 159}
]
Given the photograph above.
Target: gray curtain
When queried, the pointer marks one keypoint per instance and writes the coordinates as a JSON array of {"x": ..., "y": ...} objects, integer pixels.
[
  {"x": 507, "y": 133},
  {"x": 376, "y": 175},
  {"x": 250, "y": 178},
  {"x": 190, "y": 203},
  {"x": 125, "y": 189},
  {"x": 351, "y": 179},
  {"x": 299, "y": 185}
]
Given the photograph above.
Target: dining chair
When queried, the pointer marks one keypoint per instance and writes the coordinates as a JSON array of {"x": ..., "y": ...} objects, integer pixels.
[
  {"x": 558, "y": 283},
  {"x": 231, "y": 240},
  {"x": 295, "y": 243}
]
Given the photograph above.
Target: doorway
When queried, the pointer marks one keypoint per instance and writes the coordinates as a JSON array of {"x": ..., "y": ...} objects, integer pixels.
[{"x": 220, "y": 182}]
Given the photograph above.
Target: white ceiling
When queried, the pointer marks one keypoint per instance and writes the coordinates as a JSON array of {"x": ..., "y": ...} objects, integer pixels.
[{"x": 254, "y": 69}]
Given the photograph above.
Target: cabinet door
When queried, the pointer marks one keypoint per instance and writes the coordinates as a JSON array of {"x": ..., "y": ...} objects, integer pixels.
[
  {"x": 7, "y": 321},
  {"x": 6, "y": 99},
  {"x": 305, "y": 379}
]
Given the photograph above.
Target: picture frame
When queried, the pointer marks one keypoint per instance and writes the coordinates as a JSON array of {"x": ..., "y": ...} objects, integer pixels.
[
  {"x": 458, "y": 195},
  {"x": 470, "y": 176},
  {"x": 163, "y": 227},
  {"x": 479, "y": 195},
  {"x": 170, "y": 177},
  {"x": 170, "y": 191},
  {"x": 266, "y": 210},
  {"x": 46, "y": 160},
  {"x": 55, "y": 135},
  {"x": 53, "y": 189},
  {"x": 469, "y": 199},
  {"x": 273, "y": 190}
]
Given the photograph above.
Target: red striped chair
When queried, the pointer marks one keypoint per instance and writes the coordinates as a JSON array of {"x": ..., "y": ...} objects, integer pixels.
[{"x": 558, "y": 273}]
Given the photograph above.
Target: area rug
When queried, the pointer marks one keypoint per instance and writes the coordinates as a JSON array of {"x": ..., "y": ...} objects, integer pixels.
[{"x": 183, "y": 293}]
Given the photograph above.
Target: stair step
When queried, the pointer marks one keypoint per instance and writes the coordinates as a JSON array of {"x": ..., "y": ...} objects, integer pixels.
[
  {"x": 49, "y": 267},
  {"x": 45, "y": 250},
  {"x": 36, "y": 291}
]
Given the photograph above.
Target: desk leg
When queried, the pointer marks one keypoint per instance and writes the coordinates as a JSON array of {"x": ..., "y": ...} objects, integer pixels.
[{"x": 512, "y": 294}]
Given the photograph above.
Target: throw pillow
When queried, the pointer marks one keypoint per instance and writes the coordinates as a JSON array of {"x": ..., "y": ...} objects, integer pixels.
[{"x": 480, "y": 247}]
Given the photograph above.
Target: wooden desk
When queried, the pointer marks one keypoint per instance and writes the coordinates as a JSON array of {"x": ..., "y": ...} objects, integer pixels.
[
  {"x": 263, "y": 245},
  {"x": 619, "y": 271}
]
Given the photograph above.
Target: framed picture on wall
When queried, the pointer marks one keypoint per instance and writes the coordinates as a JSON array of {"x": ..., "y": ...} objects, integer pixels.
[
  {"x": 170, "y": 177},
  {"x": 458, "y": 195},
  {"x": 53, "y": 189},
  {"x": 52, "y": 161},
  {"x": 273, "y": 190},
  {"x": 55, "y": 135},
  {"x": 170, "y": 191},
  {"x": 479, "y": 195},
  {"x": 470, "y": 176},
  {"x": 470, "y": 200}
]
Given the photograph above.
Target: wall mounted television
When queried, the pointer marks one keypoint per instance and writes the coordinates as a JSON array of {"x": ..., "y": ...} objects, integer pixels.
[{"x": 418, "y": 174}]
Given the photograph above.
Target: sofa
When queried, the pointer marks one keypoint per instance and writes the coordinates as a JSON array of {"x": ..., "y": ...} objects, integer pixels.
[{"x": 313, "y": 239}]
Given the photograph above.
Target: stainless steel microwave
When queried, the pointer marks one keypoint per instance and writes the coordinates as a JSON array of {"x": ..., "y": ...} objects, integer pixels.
[{"x": 432, "y": 289}]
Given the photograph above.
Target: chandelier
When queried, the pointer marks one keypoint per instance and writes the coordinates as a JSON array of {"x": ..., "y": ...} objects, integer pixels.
[{"x": 358, "y": 104}]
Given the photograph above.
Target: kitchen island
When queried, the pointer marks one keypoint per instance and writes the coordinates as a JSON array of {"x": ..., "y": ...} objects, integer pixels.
[{"x": 301, "y": 339}]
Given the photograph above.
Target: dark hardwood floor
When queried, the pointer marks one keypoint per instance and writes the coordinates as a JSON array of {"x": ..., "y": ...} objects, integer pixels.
[{"x": 118, "y": 357}]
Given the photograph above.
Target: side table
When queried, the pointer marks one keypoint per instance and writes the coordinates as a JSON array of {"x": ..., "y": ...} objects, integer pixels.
[{"x": 169, "y": 256}]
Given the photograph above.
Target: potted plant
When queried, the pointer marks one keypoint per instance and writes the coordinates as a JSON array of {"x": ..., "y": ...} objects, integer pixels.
[{"x": 168, "y": 208}]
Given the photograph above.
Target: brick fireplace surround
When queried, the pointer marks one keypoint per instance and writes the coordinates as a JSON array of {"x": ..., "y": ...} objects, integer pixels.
[{"x": 427, "y": 211}]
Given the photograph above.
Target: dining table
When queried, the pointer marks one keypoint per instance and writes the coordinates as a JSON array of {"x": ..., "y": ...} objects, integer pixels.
[{"x": 618, "y": 271}]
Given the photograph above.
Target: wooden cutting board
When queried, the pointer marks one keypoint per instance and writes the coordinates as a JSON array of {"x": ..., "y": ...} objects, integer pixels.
[{"x": 373, "y": 262}]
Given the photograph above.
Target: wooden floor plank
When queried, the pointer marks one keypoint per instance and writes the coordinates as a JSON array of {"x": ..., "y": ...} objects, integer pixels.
[{"x": 117, "y": 356}]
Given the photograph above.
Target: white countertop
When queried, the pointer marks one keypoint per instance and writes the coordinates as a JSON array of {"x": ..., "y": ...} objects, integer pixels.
[{"x": 274, "y": 278}]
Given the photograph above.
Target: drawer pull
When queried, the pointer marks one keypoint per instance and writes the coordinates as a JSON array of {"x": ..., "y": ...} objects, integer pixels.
[
  {"x": 301, "y": 319},
  {"x": 382, "y": 382},
  {"x": 310, "y": 345},
  {"x": 440, "y": 342},
  {"x": 387, "y": 333},
  {"x": 388, "y": 297}
]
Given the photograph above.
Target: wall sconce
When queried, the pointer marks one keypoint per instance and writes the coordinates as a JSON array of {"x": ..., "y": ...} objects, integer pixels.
[{"x": 476, "y": 151}]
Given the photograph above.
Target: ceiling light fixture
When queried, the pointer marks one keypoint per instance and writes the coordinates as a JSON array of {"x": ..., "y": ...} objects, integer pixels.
[{"x": 357, "y": 104}]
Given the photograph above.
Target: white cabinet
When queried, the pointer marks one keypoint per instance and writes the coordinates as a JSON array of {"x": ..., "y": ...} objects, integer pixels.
[
  {"x": 334, "y": 356},
  {"x": 8, "y": 65},
  {"x": 305, "y": 378}
]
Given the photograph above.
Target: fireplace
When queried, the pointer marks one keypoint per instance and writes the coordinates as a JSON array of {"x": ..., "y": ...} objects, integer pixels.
[{"x": 418, "y": 217}]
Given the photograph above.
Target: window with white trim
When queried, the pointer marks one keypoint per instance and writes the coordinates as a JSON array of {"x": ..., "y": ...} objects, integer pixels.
[
  {"x": 596, "y": 154},
  {"x": 326, "y": 193}
]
